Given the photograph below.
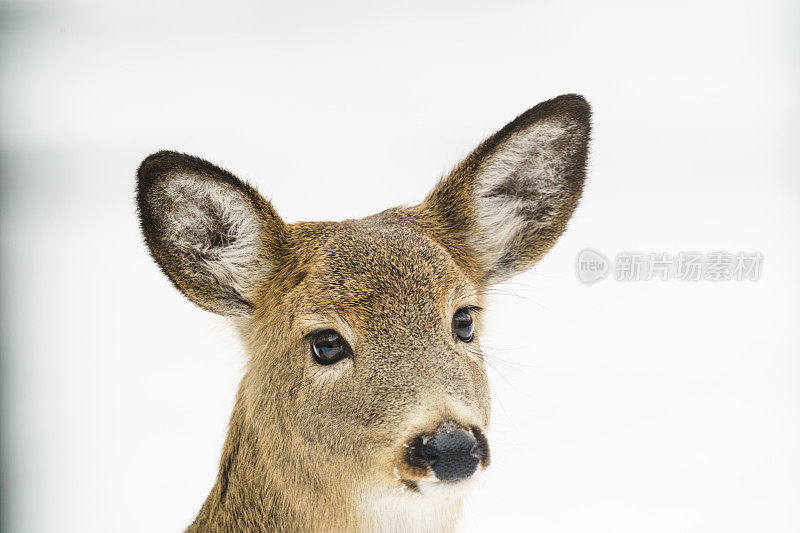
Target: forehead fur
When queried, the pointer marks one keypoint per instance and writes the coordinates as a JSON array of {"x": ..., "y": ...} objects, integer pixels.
[{"x": 378, "y": 270}]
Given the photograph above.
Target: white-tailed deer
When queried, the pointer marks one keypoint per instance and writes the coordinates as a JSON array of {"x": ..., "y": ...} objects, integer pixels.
[{"x": 365, "y": 403}]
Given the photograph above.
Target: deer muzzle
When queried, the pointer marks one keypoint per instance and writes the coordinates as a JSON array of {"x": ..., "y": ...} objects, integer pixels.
[{"x": 452, "y": 453}]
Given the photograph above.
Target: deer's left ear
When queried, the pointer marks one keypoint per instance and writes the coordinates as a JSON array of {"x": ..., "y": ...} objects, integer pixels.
[{"x": 506, "y": 204}]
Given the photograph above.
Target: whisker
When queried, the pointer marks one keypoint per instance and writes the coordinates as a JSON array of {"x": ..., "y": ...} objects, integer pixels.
[
  {"x": 500, "y": 292},
  {"x": 513, "y": 364}
]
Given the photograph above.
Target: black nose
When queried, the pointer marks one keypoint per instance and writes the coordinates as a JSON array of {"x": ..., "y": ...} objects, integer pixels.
[{"x": 452, "y": 454}]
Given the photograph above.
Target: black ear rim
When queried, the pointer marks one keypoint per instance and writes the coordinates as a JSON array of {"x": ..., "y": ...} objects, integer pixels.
[
  {"x": 160, "y": 164},
  {"x": 573, "y": 106},
  {"x": 153, "y": 166}
]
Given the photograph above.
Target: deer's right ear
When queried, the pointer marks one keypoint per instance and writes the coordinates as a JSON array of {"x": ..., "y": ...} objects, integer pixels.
[{"x": 212, "y": 234}]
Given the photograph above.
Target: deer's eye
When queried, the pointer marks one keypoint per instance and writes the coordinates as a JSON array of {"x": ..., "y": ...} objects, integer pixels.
[
  {"x": 463, "y": 326},
  {"x": 327, "y": 347}
]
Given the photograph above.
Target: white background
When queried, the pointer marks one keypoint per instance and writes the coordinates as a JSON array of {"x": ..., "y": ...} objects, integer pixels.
[{"x": 650, "y": 406}]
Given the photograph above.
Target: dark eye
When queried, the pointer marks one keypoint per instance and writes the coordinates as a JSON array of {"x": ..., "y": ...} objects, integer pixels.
[
  {"x": 463, "y": 326},
  {"x": 327, "y": 347}
]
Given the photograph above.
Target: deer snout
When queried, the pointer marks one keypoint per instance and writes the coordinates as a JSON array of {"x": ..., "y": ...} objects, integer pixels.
[{"x": 452, "y": 453}]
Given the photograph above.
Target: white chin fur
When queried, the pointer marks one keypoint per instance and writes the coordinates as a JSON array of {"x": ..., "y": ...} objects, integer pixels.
[
  {"x": 450, "y": 490},
  {"x": 435, "y": 507}
]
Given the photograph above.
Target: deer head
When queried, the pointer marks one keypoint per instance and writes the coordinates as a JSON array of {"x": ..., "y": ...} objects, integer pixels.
[{"x": 365, "y": 402}]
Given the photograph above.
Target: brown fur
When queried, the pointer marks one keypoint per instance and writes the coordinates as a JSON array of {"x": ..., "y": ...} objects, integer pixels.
[{"x": 313, "y": 448}]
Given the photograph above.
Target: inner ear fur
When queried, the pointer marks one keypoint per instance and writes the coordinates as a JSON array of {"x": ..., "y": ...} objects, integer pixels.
[
  {"x": 505, "y": 205},
  {"x": 212, "y": 234}
]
